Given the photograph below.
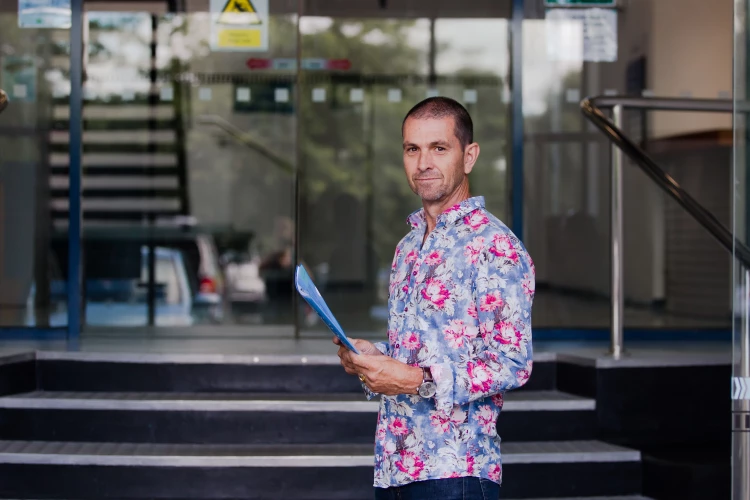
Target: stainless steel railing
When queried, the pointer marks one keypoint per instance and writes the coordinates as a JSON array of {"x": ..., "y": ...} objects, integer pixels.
[
  {"x": 593, "y": 108},
  {"x": 622, "y": 145}
]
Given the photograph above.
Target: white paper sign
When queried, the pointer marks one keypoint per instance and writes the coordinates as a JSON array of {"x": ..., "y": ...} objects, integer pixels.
[{"x": 581, "y": 35}]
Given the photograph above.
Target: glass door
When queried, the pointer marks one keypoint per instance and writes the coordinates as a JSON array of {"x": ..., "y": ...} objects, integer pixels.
[
  {"x": 741, "y": 268},
  {"x": 364, "y": 67},
  {"x": 188, "y": 171}
]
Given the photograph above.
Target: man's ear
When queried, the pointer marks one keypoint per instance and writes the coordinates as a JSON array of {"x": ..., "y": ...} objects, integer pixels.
[{"x": 471, "y": 153}]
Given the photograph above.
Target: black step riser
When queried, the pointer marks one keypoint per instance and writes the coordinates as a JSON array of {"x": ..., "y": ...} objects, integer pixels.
[
  {"x": 85, "y": 482},
  {"x": 16, "y": 378},
  {"x": 255, "y": 427},
  {"x": 58, "y": 375}
]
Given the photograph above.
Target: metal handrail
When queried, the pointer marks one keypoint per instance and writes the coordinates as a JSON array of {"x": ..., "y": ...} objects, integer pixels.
[
  {"x": 3, "y": 100},
  {"x": 621, "y": 144}
]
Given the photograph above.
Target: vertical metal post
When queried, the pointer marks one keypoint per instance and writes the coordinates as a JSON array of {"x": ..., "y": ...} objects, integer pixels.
[
  {"x": 618, "y": 301},
  {"x": 741, "y": 403},
  {"x": 298, "y": 172},
  {"x": 74, "y": 192},
  {"x": 516, "y": 155},
  {"x": 153, "y": 101}
]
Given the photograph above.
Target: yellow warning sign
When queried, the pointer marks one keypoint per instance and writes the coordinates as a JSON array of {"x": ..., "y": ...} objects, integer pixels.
[
  {"x": 240, "y": 12},
  {"x": 239, "y": 25}
]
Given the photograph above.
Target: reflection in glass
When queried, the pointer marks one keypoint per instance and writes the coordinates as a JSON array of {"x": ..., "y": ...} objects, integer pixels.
[
  {"x": 354, "y": 197},
  {"x": 33, "y": 291}
]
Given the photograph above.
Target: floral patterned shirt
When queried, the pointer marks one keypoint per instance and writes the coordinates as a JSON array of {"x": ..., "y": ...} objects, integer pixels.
[{"x": 461, "y": 305}]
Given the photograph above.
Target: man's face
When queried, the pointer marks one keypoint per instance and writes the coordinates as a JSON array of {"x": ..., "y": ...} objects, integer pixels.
[{"x": 433, "y": 157}]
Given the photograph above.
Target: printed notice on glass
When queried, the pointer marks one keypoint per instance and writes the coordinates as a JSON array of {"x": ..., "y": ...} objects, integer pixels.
[
  {"x": 581, "y": 35},
  {"x": 239, "y": 25},
  {"x": 44, "y": 14}
]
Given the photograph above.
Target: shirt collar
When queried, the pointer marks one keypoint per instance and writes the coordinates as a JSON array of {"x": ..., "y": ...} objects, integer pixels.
[{"x": 455, "y": 213}]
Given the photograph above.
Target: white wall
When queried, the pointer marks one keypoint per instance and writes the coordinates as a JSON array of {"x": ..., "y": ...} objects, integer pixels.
[{"x": 690, "y": 50}]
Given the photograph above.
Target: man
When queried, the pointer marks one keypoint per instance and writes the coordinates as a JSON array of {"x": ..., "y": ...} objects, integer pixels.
[{"x": 459, "y": 330}]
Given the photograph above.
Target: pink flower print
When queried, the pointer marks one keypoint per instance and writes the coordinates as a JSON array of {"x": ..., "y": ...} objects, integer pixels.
[
  {"x": 458, "y": 416},
  {"x": 398, "y": 427},
  {"x": 476, "y": 220},
  {"x": 495, "y": 472},
  {"x": 498, "y": 400},
  {"x": 454, "y": 333},
  {"x": 452, "y": 475},
  {"x": 480, "y": 376},
  {"x": 472, "y": 310},
  {"x": 439, "y": 422},
  {"x": 392, "y": 336},
  {"x": 502, "y": 247},
  {"x": 411, "y": 341},
  {"x": 486, "y": 329},
  {"x": 469, "y": 463},
  {"x": 435, "y": 292},
  {"x": 486, "y": 418},
  {"x": 473, "y": 249},
  {"x": 380, "y": 434},
  {"x": 435, "y": 258},
  {"x": 491, "y": 301},
  {"x": 507, "y": 334},
  {"x": 410, "y": 464},
  {"x": 522, "y": 376},
  {"x": 528, "y": 285},
  {"x": 411, "y": 257}
]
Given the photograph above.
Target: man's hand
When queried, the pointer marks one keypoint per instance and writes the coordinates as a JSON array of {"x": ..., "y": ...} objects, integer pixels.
[{"x": 383, "y": 374}]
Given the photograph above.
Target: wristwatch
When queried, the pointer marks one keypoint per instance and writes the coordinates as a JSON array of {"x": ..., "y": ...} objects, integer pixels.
[{"x": 428, "y": 388}]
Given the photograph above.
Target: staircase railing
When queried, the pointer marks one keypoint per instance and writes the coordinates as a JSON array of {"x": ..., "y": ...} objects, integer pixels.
[{"x": 592, "y": 108}]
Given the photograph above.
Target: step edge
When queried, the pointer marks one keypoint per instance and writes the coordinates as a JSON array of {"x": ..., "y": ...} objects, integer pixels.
[
  {"x": 262, "y": 461},
  {"x": 16, "y": 403},
  {"x": 237, "y": 359}
]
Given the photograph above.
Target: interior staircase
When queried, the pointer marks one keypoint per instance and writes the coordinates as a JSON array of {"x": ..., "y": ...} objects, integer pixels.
[
  {"x": 86, "y": 425},
  {"x": 133, "y": 165}
]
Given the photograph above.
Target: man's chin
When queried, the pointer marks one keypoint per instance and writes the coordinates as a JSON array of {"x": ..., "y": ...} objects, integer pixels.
[{"x": 430, "y": 196}]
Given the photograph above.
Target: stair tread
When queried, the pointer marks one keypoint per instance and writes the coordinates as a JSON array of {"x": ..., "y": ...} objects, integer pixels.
[
  {"x": 514, "y": 401},
  {"x": 267, "y": 455}
]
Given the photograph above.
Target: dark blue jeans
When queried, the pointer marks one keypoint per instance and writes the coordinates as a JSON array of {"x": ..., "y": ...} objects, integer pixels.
[{"x": 460, "y": 488}]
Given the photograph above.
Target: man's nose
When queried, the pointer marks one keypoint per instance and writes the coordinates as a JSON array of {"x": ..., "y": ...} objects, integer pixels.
[{"x": 423, "y": 163}]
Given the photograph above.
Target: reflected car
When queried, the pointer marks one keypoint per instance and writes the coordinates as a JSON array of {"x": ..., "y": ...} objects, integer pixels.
[{"x": 124, "y": 302}]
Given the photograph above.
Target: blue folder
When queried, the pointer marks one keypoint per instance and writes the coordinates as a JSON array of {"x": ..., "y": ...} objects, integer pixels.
[{"x": 310, "y": 293}]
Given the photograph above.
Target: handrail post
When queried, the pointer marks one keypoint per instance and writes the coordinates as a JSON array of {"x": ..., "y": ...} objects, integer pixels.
[{"x": 618, "y": 301}]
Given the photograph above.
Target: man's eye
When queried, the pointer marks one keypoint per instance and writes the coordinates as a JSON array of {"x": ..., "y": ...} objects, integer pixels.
[{"x": 440, "y": 148}]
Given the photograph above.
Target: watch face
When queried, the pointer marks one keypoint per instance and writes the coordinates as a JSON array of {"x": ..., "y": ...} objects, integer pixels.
[{"x": 427, "y": 390}]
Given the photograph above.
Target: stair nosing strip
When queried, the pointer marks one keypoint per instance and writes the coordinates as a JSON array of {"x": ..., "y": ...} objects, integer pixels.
[
  {"x": 288, "y": 460},
  {"x": 41, "y": 402},
  {"x": 189, "y": 461}
]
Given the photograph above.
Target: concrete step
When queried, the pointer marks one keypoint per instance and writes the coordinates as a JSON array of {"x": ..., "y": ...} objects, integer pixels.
[
  {"x": 127, "y": 470},
  {"x": 258, "y": 417},
  {"x": 126, "y": 372}
]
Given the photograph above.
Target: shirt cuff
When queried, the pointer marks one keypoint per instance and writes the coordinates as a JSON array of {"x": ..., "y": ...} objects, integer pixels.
[
  {"x": 368, "y": 393},
  {"x": 442, "y": 374}
]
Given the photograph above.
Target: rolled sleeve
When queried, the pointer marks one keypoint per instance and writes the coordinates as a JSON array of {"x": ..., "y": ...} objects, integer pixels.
[{"x": 504, "y": 295}]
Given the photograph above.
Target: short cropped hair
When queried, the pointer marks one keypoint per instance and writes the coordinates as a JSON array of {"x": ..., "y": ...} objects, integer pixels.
[{"x": 441, "y": 107}]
